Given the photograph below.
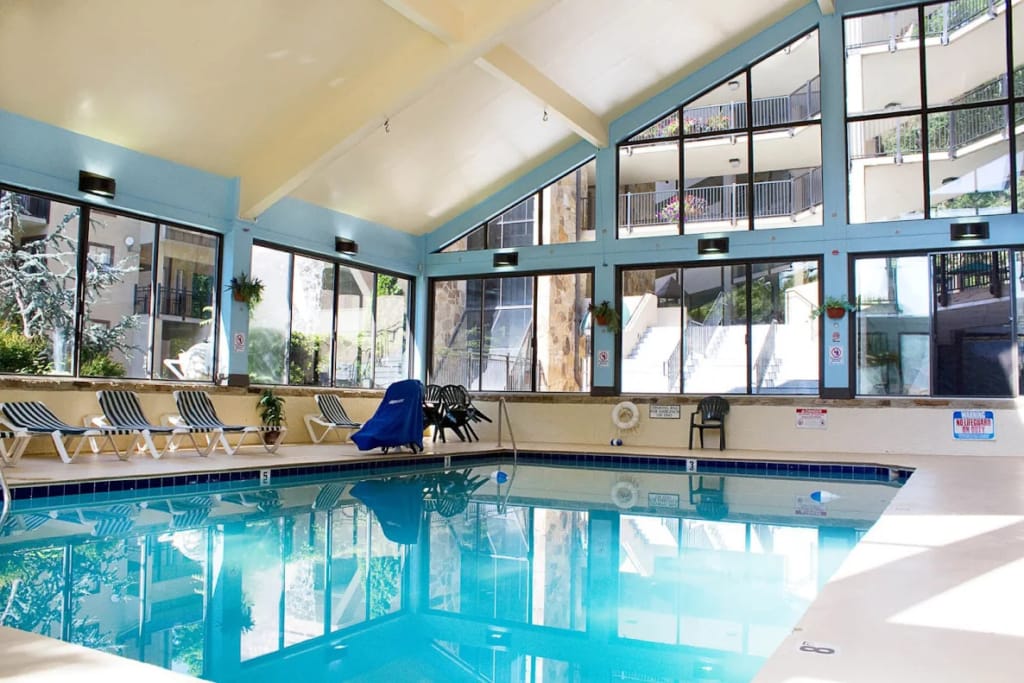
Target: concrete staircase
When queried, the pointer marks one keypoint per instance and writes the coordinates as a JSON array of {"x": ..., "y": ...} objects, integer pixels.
[{"x": 644, "y": 369}]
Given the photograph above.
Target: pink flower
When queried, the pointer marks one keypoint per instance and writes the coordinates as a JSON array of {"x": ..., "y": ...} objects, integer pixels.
[{"x": 693, "y": 206}]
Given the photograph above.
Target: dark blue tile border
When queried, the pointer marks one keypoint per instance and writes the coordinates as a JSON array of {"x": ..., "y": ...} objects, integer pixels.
[{"x": 141, "y": 488}]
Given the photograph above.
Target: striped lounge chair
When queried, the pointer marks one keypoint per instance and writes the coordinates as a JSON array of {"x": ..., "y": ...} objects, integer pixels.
[
  {"x": 38, "y": 420},
  {"x": 196, "y": 411},
  {"x": 186, "y": 513},
  {"x": 121, "y": 409},
  {"x": 117, "y": 520},
  {"x": 332, "y": 418}
]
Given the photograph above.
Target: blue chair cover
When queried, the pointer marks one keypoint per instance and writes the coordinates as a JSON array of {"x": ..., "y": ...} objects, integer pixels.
[
  {"x": 397, "y": 504},
  {"x": 398, "y": 420}
]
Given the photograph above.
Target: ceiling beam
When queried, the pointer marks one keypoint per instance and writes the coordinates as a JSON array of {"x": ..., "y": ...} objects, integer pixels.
[
  {"x": 827, "y": 6},
  {"x": 437, "y": 17},
  {"x": 506, "y": 63},
  {"x": 311, "y": 134}
]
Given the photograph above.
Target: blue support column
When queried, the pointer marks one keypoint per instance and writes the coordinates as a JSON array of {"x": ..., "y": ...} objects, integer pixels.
[
  {"x": 234, "y": 315},
  {"x": 604, "y": 342},
  {"x": 835, "y": 342}
]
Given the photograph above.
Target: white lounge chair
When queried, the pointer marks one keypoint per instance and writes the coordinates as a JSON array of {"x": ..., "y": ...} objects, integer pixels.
[
  {"x": 332, "y": 418},
  {"x": 196, "y": 411},
  {"x": 121, "y": 409},
  {"x": 38, "y": 420},
  {"x": 12, "y": 445}
]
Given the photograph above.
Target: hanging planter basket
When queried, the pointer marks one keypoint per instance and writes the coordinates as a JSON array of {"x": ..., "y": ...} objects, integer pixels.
[{"x": 835, "y": 312}]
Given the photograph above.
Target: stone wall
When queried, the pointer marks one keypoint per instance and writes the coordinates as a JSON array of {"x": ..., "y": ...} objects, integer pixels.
[{"x": 558, "y": 347}]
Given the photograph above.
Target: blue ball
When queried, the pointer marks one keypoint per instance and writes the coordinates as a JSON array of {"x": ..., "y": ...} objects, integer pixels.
[{"x": 615, "y": 442}]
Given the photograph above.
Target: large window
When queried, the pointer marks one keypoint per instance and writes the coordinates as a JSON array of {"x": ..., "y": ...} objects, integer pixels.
[
  {"x": 941, "y": 145},
  {"x": 512, "y": 333},
  {"x": 560, "y": 212},
  {"x": 744, "y": 155},
  {"x": 315, "y": 310},
  {"x": 146, "y": 306},
  {"x": 723, "y": 329},
  {"x": 937, "y": 324}
]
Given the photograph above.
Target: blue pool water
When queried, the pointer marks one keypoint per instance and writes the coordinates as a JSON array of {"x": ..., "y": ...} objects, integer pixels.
[{"x": 571, "y": 574}]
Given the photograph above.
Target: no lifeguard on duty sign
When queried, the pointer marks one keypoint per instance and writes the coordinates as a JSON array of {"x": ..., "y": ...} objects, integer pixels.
[{"x": 976, "y": 425}]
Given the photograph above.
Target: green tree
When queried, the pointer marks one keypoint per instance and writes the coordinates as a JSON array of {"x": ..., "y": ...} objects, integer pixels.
[
  {"x": 37, "y": 593},
  {"x": 387, "y": 285},
  {"x": 38, "y": 288}
]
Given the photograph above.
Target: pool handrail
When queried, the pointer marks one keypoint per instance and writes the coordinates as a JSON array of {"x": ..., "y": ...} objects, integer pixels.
[{"x": 503, "y": 418}]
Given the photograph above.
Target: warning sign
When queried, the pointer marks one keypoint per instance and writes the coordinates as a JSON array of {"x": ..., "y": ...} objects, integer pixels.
[
  {"x": 974, "y": 425},
  {"x": 811, "y": 418}
]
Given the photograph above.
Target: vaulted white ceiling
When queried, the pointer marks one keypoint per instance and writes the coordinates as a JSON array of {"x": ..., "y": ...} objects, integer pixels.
[{"x": 403, "y": 112}]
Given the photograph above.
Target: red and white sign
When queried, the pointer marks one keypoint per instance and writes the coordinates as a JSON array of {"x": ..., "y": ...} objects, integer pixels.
[{"x": 811, "y": 418}]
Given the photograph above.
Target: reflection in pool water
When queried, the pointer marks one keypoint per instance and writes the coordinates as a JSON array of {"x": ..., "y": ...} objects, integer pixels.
[{"x": 554, "y": 575}]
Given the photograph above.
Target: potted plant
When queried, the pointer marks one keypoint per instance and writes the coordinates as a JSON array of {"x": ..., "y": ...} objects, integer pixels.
[
  {"x": 834, "y": 308},
  {"x": 247, "y": 290},
  {"x": 271, "y": 410},
  {"x": 605, "y": 314}
]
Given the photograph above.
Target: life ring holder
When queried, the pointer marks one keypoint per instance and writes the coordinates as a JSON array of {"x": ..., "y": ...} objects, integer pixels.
[
  {"x": 625, "y": 494},
  {"x": 625, "y": 415}
]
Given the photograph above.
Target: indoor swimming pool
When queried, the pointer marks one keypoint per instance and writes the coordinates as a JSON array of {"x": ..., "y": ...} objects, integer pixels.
[{"x": 485, "y": 571}]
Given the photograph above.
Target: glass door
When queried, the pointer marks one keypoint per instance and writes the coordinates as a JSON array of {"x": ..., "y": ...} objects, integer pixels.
[{"x": 975, "y": 353}]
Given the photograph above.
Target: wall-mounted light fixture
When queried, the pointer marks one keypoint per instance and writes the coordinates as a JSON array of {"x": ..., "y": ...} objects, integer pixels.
[
  {"x": 713, "y": 245},
  {"x": 506, "y": 259},
  {"x": 733, "y": 85},
  {"x": 734, "y": 162},
  {"x": 99, "y": 185},
  {"x": 345, "y": 245},
  {"x": 969, "y": 231}
]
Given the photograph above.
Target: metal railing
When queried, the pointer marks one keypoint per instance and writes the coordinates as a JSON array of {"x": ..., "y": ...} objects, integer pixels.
[
  {"x": 957, "y": 272},
  {"x": 7, "y": 499},
  {"x": 772, "y": 199},
  {"x": 180, "y": 303},
  {"x": 765, "y": 358},
  {"x": 800, "y": 105},
  {"x": 31, "y": 206},
  {"x": 464, "y": 367},
  {"x": 947, "y": 132},
  {"x": 505, "y": 419},
  {"x": 699, "y": 336},
  {"x": 942, "y": 20}
]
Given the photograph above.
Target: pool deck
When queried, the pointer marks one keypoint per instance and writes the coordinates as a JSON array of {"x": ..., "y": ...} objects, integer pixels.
[{"x": 932, "y": 593}]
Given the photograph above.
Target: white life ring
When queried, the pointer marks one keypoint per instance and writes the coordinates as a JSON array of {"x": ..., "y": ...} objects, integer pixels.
[
  {"x": 626, "y": 415},
  {"x": 625, "y": 494}
]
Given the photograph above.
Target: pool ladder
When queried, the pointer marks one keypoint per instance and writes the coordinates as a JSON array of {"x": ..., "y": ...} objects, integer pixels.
[{"x": 503, "y": 419}]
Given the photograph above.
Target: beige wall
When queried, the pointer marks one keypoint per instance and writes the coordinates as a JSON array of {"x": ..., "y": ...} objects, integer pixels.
[
  {"x": 870, "y": 426},
  {"x": 857, "y": 426}
]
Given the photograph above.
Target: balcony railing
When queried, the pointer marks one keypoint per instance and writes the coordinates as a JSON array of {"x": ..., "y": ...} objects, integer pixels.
[
  {"x": 179, "y": 303},
  {"x": 30, "y": 206},
  {"x": 802, "y": 104},
  {"x": 939, "y": 21},
  {"x": 772, "y": 199},
  {"x": 948, "y": 132}
]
